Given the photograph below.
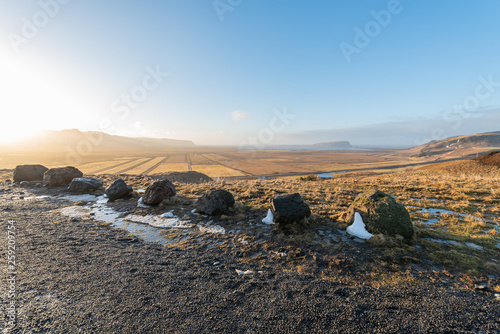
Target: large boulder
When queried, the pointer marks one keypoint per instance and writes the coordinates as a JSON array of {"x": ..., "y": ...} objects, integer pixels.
[
  {"x": 381, "y": 214},
  {"x": 158, "y": 192},
  {"x": 289, "y": 209},
  {"x": 57, "y": 177},
  {"x": 29, "y": 173},
  {"x": 118, "y": 189},
  {"x": 215, "y": 202},
  {"x": 84, "y": 185}
]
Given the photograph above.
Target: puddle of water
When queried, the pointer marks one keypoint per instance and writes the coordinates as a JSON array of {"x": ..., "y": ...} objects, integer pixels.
[{"x": 147, "y": 228}]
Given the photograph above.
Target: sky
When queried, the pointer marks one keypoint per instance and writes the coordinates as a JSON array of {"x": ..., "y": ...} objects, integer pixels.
[{"x": 260, "y": 73}]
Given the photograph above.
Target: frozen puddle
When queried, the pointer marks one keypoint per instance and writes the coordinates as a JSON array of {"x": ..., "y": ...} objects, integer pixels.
[
  {"x": 147, "y": 227},
  {"x": 438, "y": 212},
  {"x": 456, "y": 243},
  {"x": 159, "y": 221},
  {"x": 75, "y": 211}
]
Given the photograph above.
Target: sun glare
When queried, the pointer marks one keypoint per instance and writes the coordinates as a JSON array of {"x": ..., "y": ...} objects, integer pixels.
[{"x": 31, "y": 102}]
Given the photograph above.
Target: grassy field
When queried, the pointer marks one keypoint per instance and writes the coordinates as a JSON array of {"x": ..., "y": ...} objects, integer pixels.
[{"x": 454, "y": 208}]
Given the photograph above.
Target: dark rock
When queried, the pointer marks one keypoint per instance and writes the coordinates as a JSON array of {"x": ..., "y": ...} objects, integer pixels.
[
  {"x": 215, "y": 202},
  {"x": 29, "y": 173},
  {"x": 24, "y": 184},
  {"x": 289, "y": 209},
  {"x": 56, "y": 177},
  {"x": 188, "y": 177},
  {"x": 158, "y": 191},
  {"x": 84, "y": 185},
  {"x": 381, "y": 214},
  {"x": 9, "y": 180},
  {"x": 118, "y": 189}
]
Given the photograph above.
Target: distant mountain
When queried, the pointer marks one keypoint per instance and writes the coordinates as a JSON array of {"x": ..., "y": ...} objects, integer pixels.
[
  {"x": 334, "y": 145},
  {"x": 465, "y": 144},
  {"x": 74, "y": 139}
]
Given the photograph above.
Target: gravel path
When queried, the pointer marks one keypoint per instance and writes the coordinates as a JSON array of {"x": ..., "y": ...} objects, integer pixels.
[{"x": 84, "y": 277}]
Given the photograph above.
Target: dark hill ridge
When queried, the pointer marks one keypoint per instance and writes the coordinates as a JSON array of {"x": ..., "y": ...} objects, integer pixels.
[
  {"x": 334, "y": 144},
  {"x": 436, "y": 147},
  {"x": 491, "y": 159},
  {"x": 59, "y": 141}
]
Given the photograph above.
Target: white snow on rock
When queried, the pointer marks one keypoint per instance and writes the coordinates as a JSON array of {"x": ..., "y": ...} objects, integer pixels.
[
  {"x": 358, "y": 229},
  {"x": 212, "y": 229},
  {"x": 269, "y": 220},
  {"x": 246, "y": 272},
  {"x": 75, "y": 211},
  {"x": 140, "y": 203},
  {"x": 159, "y": 221}
]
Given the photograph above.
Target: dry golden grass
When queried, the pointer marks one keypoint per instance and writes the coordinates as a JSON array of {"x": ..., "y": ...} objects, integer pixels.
[
  {"x": 125, "y": 168},
  {"x": 216, "y": 171},
  {"x": 171, "y": 167},
  {"x": 145, "y": 166}
]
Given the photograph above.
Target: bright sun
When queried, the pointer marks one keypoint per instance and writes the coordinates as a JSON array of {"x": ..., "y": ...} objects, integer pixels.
[{"x": 31, "y": 102}]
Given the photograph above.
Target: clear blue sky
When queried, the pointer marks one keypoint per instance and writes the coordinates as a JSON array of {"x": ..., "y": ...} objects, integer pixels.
[{"x": 226, "y": 76}]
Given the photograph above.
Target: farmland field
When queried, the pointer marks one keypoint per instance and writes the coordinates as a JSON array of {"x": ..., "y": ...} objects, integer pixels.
[{"x": 230, "y": 162}]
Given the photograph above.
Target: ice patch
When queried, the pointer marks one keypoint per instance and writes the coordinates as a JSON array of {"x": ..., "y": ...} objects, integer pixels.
[
  {"x": 212, "y": 229},
  {"x": 269, "y": 220},
  {"x": 75, "y": 211},
  {"x": 475, "y": 246},
  {"x": 446, "y": 242},
  {"x": 159, "y": 221},
  {"x": 358, "y": 228},
  {"x": 456, "y": 243},
  {"x": 78, "y": 198},
  {"x": 36, "y": 197}
]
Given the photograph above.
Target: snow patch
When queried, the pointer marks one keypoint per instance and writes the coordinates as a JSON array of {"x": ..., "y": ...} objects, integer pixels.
[
  {"x": 269, "y": 220},
  {"x": 358, "y": 229},
  {"x": 212, "y": 229},
  {"x": 246, "y": 272}
]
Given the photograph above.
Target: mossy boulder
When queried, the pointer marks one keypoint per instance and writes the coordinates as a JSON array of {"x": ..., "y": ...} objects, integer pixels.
[{"x": 381, "y": 214}]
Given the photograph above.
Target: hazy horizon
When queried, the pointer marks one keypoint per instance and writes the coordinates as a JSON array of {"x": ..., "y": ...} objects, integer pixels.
[{"x": 380, "y": 73}]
